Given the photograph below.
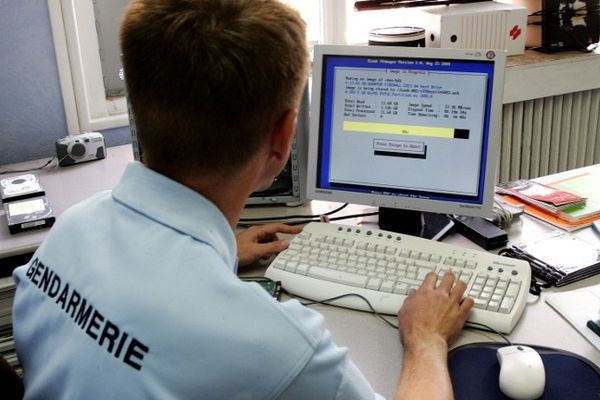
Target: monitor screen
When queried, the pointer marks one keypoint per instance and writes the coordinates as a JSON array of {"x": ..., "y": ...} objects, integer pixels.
[{"x": 408, "y": 128}]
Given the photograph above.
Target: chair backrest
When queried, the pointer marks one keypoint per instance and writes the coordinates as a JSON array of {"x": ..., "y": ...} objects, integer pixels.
[{"x": 11, "y": 385}]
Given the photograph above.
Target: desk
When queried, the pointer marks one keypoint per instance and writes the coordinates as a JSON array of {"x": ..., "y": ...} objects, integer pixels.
[
  {"x": 374, "y": 346},
  {"x": 64, "y": 187}
]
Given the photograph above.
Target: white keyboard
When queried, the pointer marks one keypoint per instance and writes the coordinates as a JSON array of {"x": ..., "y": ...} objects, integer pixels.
[{"x": 328, "y": 260}]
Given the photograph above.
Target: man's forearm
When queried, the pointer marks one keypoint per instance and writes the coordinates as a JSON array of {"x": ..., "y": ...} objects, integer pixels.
[{"x": 424, "y": 374}]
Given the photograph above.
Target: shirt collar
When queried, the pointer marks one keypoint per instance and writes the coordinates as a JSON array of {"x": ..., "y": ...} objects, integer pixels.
[{"x": 177, "y": 206}]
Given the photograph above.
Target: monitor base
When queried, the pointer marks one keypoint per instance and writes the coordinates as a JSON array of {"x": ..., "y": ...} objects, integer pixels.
[{"x": 415, "y": 223}]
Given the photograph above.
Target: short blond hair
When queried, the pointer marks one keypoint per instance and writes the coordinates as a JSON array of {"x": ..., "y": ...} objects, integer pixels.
[{"x": 207, "y": 79}]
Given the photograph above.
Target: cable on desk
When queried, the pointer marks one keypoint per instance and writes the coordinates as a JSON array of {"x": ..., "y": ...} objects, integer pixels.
[
  {"x": 285, "y": 217},
  {"x": 355, "y": 216},
  {"x": 468, "y": 324},
  {"x": 502, "y": 216},
  {"x": 10, "y": 171},
  {"x": 317, "y": 218},
  {"x": 328, "y": 301},
  {"x": 477, "y": 325}
]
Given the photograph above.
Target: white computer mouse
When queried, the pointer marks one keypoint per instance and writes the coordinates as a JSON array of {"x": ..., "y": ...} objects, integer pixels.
[{"x": 522, "y": 374}]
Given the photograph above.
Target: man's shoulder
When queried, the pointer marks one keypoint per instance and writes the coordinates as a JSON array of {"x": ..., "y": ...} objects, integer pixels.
[{"x": 88, "y": 206}]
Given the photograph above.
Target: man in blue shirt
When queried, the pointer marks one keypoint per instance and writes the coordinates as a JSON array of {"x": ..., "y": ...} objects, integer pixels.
[{"x": 134, "y": 293}]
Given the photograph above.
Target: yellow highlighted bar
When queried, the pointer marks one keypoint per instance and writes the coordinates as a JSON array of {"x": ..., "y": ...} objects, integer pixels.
[{"x": 395, "y": 129}]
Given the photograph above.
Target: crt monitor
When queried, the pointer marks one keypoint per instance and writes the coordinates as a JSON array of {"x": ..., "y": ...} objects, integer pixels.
[{"x": 409, "y": 129}]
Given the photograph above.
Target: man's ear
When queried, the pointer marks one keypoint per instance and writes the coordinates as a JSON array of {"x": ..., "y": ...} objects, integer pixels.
[
  {"x": 282, "y": 135},
  {"x": 277, "y": 149}
]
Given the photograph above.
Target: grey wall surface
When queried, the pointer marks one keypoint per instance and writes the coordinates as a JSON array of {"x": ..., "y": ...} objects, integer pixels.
[{"x": 32, "y": 114}]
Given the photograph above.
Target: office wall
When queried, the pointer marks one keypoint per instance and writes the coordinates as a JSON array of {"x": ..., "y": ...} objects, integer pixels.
[{"x": 32, "y": 114}]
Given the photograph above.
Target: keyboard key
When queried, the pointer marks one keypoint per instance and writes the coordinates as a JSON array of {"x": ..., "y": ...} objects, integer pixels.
[
  {"x": 401, "y": 288},
  {"x": 279, "y": 264},
  {"x": 435, "y": 259},
  {"x": 480, "y": 303},
  {"x": 507, "y": 304},
  {"x": 422, "y": 273},
  {"x": 387, "y": 286},
  {"x": 513, "y": 289},
  {"x": 424, "y": 256},
  {"x": 291, "y": 266},
  {"x": 450, "y": 261},
  {"x": 302, "y": 269},
  {"x": 374, "y": 283},
  {"x": 493, "y": 305},
  {"x": 338, "y": 276},
  {"x": 348, "y": 242}
]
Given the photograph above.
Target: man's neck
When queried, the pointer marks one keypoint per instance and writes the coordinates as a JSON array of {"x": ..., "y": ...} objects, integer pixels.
[
  {"x": 228, "y": 194},
  {"x": 230, "y": 200}
]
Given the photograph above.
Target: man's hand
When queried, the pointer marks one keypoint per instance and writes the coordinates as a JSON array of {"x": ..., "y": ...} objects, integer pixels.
[
  {"x": 432, "y": 311},
  {"x": 262, "y": 241}
]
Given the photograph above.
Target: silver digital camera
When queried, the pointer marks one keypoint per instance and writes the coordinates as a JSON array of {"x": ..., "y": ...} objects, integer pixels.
[{"x": 80, "y": 148}]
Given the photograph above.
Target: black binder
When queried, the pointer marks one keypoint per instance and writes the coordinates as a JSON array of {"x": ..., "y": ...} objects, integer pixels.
[{"x": 559, "y": 257}]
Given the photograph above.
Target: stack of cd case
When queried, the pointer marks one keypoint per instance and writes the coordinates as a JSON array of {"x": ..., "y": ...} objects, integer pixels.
[
  {"x": 560, "y": 258},
  {"x": 25, "y": 203}
]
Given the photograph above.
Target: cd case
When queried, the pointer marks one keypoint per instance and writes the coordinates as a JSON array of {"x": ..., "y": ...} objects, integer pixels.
[
  {"x": 545, "y": 197},
  {"x": 20, "y": 187},
  {"x": 27, "y": 214},
  {"x": 560, "y": 257}
]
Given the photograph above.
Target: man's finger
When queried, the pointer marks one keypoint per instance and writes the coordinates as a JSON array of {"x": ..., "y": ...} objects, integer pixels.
[
  {"x": 465, "y": 306},
  {"x": 280, "y": 228},
  {"x": 269, "y": 248},
  {"x": 429, "y": 281},
  {"x": 447, "y": 282},
  {"x": 458, "y": 290}
]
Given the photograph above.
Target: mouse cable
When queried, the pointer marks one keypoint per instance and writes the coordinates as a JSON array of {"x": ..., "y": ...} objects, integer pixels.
[
  {"x": 501, "y": 215},
  {"x": 327, "y": 219},
  {"x": 285, "y": 217},
  {"x": 468, "y": 324},
  {"x": 484, "y": 327},
  {"x": 329, "y": 300},
  {"x": 322, "y": 218}
]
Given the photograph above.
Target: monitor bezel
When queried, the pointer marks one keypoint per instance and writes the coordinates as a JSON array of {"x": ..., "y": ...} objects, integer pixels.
[{"x": 467, "y": 208}]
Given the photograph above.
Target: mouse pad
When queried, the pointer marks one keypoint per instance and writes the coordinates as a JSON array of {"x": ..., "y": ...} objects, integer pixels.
[{"x": 474, "y": 371}]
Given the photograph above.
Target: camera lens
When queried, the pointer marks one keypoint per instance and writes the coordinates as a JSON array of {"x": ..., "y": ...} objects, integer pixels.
[{"x": 77, "y": 150}]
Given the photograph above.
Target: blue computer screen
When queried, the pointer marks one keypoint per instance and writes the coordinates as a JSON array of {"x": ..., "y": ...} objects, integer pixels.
[{"x": 405, "y": 126}]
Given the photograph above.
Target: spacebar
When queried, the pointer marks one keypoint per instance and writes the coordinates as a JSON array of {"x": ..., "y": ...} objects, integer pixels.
[{"x": 332, "y": 275}]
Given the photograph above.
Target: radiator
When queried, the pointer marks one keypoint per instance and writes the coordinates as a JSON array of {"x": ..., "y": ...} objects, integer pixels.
[{"x": 548, "y": 135}]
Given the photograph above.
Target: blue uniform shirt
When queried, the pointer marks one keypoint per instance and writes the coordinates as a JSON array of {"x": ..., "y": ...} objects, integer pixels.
[{"x": 133, "y": 296}]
